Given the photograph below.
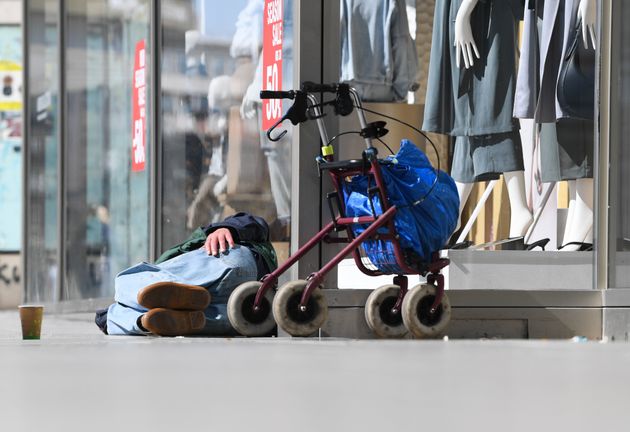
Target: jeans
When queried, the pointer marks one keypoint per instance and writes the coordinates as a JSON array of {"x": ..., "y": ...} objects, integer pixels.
[{"x": 219, "y": 275}]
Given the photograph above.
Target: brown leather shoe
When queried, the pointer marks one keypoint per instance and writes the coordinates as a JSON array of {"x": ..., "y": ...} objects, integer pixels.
[
  {"x": 168, "y": 322},
  {"x": 173, "y": 295}
]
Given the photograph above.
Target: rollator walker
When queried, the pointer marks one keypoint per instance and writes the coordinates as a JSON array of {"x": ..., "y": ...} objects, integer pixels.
[{"x": 299, "y": 307}]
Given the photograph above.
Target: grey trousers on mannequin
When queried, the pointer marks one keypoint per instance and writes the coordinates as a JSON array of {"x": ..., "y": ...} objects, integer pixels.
[
  {"x": 569, "y": 154},
  {"x": 485, "y": 157}
]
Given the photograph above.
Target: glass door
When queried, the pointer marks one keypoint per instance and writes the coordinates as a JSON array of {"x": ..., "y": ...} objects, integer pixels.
[
  {"x": 106, "y": 157},
  {"x": 42, "y": 129},
  {"x": 216, "y": 159},
  {"x": 618, "y": 266}
]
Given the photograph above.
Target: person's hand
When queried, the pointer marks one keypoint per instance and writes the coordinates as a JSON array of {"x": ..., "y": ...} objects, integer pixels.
[
  {"x": 219, "y": 241},
  {"x": 588, "y": 15},
  {"x": 464, "y": 41}
]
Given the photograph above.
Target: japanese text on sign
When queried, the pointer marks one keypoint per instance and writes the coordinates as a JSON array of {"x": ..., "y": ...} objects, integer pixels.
[
  {"x": 272, "y": 60},
  {"x": 139, "y": 102}
]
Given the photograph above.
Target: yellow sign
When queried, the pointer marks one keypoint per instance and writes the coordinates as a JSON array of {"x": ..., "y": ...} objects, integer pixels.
[
  {"x": 6, "y": 65},
  {"x": 10, "y": 86}
]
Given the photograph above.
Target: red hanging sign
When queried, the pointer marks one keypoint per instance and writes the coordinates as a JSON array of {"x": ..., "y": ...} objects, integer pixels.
[
  {"x": 139, "y": 102},
  {"x": 272, "y": 60}
]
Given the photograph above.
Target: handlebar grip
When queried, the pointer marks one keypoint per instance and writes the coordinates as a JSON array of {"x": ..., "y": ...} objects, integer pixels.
[{"x": 277, "y": 94}]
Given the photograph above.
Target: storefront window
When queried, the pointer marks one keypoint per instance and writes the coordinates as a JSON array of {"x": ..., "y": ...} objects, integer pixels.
[
  {"x": 216, "y": 159},
  {"x": 619, "y": 209},
  {"x": 381, "y": 58},
  {"x": 10, "y": 137},
  {"x": 42, "y": 123},
  {"x": 107, "y": 81},
  {"x": 517, "y": 141}
]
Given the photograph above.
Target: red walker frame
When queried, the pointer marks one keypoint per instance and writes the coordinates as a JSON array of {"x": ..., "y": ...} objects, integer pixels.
[{"x": 337, "y": 174}]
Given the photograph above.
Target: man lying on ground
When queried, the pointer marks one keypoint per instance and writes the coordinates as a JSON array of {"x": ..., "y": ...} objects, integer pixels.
[{"x": 186, "y": 291}]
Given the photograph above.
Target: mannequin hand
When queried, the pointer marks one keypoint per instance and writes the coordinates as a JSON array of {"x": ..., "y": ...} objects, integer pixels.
[
  {"x": 464, "y": 40},
  {"x": 250, "y": 103},
  {"x": 588, "y": 15},
  {"x": 219, "y": 241}
]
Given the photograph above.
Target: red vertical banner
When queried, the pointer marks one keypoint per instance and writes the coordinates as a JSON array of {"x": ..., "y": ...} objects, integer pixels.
[
  {"x": 139, "y": 110},
  {"x": 272, "y": 60}
]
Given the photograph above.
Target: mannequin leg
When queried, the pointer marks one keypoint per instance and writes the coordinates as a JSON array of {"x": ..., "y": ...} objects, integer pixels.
[
  {"x": 570, "y": 212},
  {"x": 463, "y": 190},
  {"x": 584, "y": 209},
  {"x": 521, "y": 217},
  {"x": 581, "y": 227}
]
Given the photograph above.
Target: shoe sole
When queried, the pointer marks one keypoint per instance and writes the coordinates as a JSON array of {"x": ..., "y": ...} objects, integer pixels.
[
  {"x": 173, "y": 295},
  {"x": 168, "y": 322}
]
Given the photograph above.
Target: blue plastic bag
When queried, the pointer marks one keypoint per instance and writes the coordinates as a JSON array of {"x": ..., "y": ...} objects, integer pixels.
[{"x": 425, "y": 218}]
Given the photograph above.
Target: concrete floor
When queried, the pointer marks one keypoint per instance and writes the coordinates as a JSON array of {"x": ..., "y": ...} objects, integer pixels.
[{"x": 76, "y": 379}]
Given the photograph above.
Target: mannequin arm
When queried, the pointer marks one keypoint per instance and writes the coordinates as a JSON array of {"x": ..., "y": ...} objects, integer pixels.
[
  {"x": 587, "y": 13},
  {"x": 464, "y": 40}
]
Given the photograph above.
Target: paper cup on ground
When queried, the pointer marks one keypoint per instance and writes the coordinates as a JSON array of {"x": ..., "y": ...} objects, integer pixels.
[{"x": 31, "y": 318}]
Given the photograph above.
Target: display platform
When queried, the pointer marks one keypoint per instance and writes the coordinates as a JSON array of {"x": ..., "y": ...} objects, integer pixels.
[
  {"x": 488, "y": 314},
  {"x": 519, "y": 270},
  {"x": 494, "y": 294}
]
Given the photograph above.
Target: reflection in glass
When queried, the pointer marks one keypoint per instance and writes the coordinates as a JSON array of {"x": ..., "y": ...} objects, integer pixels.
[
  {"x": 42, "y": 123},
  {"x": 10, "y": 140},
  {"x": 106, "y": 193},
  {"x": 619, "y": 206},
  {"x": 216, "y": 158},
  {"x": 378, "y": 52}
]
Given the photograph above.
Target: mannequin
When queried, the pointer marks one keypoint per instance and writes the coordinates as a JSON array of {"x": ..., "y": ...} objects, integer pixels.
[
  {"x": 464, "y": 40},
  {"x": 520, "y": 218},
  {"x": 579, "y": 224},
  {"x": 587, "y": 13},
  {"x": 466, "y": 48},
  {"x": 278, "y": 154}
]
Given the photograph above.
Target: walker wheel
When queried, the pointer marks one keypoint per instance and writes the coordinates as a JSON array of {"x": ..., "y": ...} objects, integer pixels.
[
  {"x": 241, "y": 313},
  {"x": 416, "y": 312},
  {"x": 378, "y": 312},
  {"x": 289, "y": 316}
]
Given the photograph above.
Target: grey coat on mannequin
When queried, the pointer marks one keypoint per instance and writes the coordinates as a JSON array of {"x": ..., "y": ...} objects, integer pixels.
[
  {"x": 553, "y": 21},
  {"x": 538, "y": 100}
]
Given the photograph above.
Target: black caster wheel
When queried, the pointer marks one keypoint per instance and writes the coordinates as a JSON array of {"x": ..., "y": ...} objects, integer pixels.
[
  {"x": 379, "y": 316},
  {"x": 241, "y": 313},
  {"x": 289, "y": 316},
  {"x": 416, "y": 312}
]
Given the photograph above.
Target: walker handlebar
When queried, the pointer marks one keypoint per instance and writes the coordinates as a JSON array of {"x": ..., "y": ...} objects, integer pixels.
[
  {"x": 346, "y": 100},
  {"x": 277, "y": 94},
  {"x": 311, "y": 87}
]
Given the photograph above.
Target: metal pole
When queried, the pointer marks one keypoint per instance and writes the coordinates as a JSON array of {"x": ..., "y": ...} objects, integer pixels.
[
  {"x": 155, "y": 156},
  {"x": 61, "y": 147},
  {"x": 318, "y": 113},
  {"x": 602, "y": 156},
  {"x": 25, "y": 147}
]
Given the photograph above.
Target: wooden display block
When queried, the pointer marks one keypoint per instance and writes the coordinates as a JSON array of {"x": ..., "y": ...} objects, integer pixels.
[{"x": 246, "y": 163}]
